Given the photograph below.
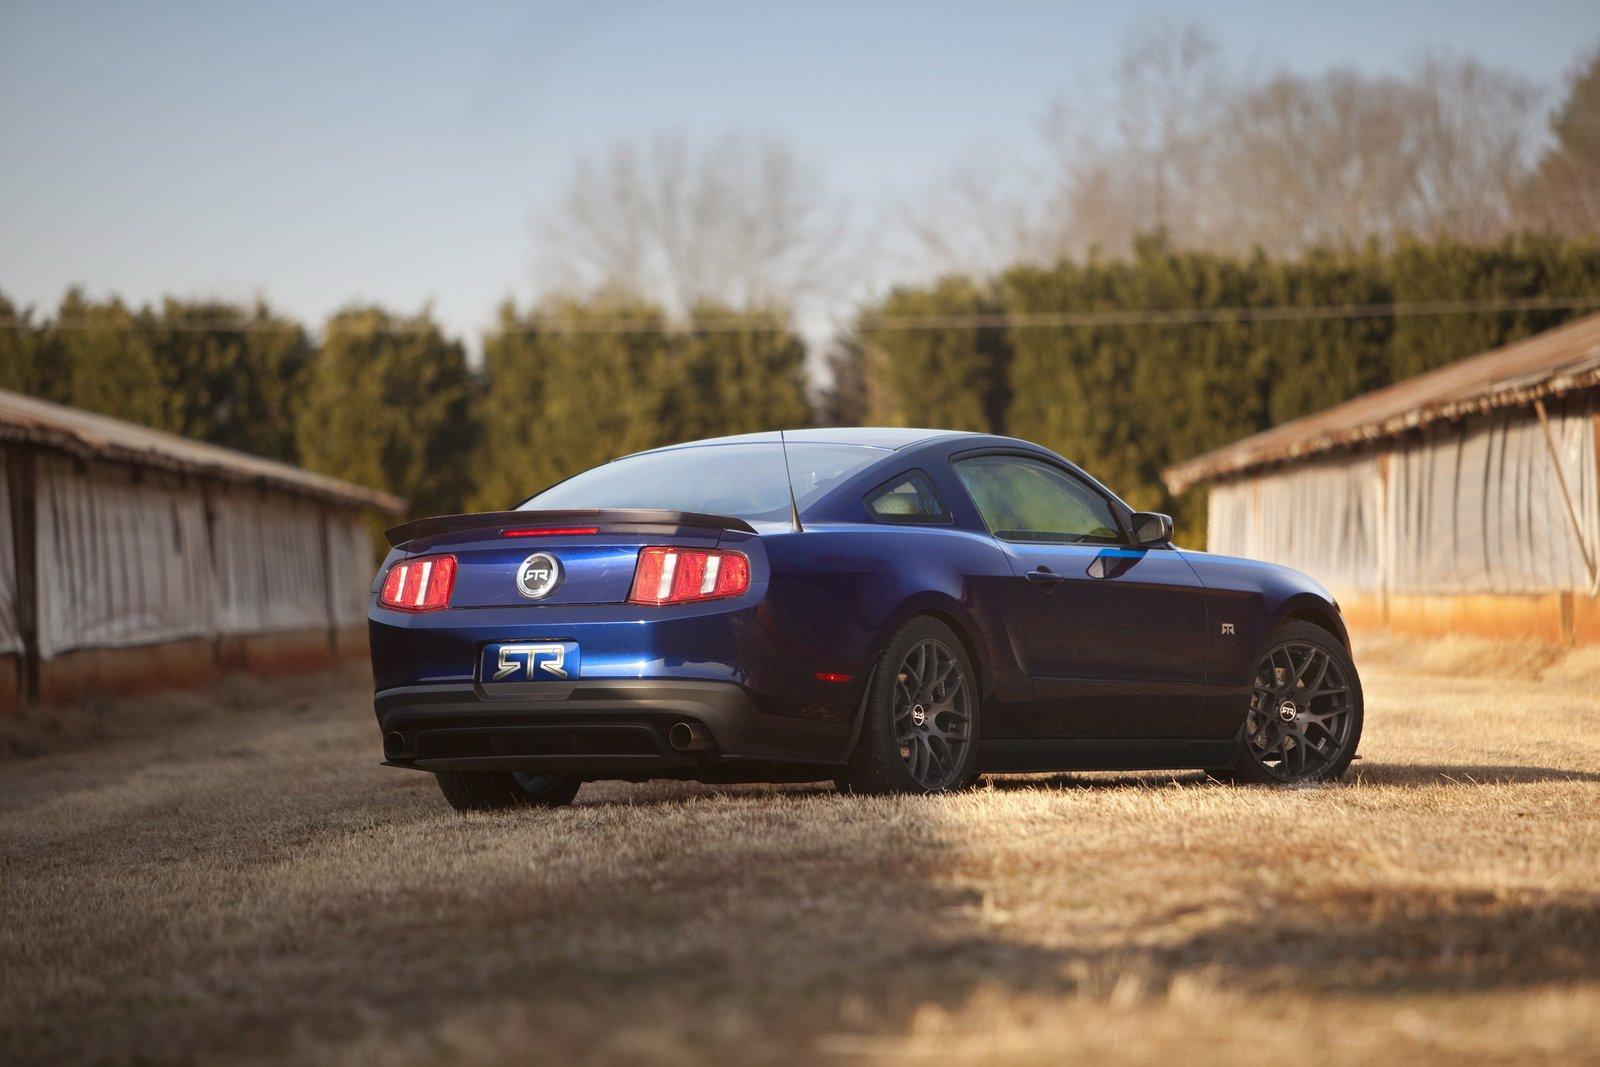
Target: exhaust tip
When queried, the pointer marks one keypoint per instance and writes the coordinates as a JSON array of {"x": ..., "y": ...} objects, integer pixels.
[
  {"x": 690, "y": 737},
  {"x": 394, "y": 744}
]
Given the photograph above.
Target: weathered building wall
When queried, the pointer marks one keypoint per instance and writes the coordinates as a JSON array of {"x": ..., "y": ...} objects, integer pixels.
[
  {"x": 130, "y": 579},
  {"x": 10, "y": 631},
  {"x": 1487, "y": 525},
  {"x": 123, "y": 557}
]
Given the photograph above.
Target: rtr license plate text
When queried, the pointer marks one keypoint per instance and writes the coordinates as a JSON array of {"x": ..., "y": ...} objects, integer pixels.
[{"x": 530, "y": 661}]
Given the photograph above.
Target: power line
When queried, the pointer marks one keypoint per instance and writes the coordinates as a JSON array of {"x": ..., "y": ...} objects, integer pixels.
[
  {"x": 745, "y": 324},
  {"x": 888, "y": 323},
  {"x": 1204, "y": 316}
]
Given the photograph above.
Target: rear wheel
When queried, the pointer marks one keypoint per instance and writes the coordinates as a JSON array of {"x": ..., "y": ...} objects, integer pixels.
[
  {"x": 1305, "y": 711},
  {"x": 921, "y": 721},
  {"x": 499, "y": 790}
]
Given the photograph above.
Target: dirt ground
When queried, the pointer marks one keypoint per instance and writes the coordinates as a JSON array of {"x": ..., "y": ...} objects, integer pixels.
[{"x": 241, "y": 881}]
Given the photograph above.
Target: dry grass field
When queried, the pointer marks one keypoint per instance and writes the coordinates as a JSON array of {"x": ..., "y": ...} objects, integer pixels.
[{"x": 240, "y": 881}]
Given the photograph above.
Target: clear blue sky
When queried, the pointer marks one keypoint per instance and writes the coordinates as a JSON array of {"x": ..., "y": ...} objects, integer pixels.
[{"x": 316, "y": 153}]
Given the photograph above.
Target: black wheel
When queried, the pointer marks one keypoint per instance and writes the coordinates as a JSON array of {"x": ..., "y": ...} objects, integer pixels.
[
  {"x": 1305, "y": 711},
  {"x": 921, "y": 716},
  {"x": 498, "y": 790}
]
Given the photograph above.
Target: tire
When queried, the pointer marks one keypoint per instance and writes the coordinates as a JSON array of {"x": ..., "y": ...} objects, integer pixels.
[
  {"x": 1306, "y": 709},
  {"x": 502, "y": 790},
  {"x": 919, "y": 737}
]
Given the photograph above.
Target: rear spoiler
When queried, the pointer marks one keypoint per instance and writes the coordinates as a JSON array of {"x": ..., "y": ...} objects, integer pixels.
[{"x": 620, "y": 520}]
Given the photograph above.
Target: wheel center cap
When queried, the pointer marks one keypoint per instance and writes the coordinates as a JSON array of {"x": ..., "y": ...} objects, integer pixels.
[
  {"x": 1287, "y": 711},
  {"x": 919, "y": 715}
]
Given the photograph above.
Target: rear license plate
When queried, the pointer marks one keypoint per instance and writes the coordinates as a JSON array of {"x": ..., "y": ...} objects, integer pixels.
[{"x": 529, "y": 661}]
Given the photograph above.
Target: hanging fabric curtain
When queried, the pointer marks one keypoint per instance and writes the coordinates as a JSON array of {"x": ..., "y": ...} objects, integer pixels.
[
  {"x": 269, "y": 564},
  {"x": 123, "y": 560},
  {"x": 351, "y": 567},
  {"x": 1497, "y": 503}
]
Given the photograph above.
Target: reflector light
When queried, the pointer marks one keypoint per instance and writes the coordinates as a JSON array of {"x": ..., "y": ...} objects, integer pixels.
[
  {"x": 831, "y": 676},
  {"x": 422, "y": 583},
  {"x": 551, "y": 531},
  {"x": 666, "y": 575}
]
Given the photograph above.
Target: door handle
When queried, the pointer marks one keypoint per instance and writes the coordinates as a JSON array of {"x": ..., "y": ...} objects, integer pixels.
[{"x": 1045, "y": 576}]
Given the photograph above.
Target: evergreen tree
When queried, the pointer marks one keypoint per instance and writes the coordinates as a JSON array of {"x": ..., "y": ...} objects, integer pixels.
[
  {"x": 1563, "y": 192},
  {"x": 232, "y": 377},
  {"x": 574, "y": 385},
  {"x": 210, "y": 371},
  {"x": 105, "y": 361},
  {"x": 389, "y": 404},
  {"x": 951, "y": 378},
  {"x": 1525, "y": 268},
  {"x": 25, "y": 361},
  {"x": 745, "y": 373},
  {"x": 844, "y": 401}
]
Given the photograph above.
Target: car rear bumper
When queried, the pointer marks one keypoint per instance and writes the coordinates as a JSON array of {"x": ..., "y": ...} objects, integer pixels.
[{"x": 597, "y": 729}]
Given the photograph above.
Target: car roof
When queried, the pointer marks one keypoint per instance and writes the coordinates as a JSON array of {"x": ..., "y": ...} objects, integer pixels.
[{"x": 892, "y": 438}]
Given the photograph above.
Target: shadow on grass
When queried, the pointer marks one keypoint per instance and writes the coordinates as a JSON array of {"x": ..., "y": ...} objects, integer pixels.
[
  {"x": 1099, "y": 780},
  {"x": 226, "y": 915},
  {"x": 1385, "y": 940}
]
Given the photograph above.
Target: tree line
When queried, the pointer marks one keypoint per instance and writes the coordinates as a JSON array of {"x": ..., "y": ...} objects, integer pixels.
[
  {"x": 387, "y": 400},
  {"x": 1125, "y": 365},
  {"x": 1132, "y": 364}
]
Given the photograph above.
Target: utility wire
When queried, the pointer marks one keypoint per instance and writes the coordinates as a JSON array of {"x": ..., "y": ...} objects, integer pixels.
[
  {"x": 902, "y": 323},
  {"x": 1205, "y": 316}
]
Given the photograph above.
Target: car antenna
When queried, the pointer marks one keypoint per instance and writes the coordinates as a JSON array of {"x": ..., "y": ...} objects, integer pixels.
[{"x": 794, "y": 508}]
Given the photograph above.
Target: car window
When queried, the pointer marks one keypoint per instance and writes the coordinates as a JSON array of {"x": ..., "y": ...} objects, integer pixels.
[
  {"x": 747, "y": 480},
  {"x": 1029, "y": 500},
  {"x": 908, "y": 498}
]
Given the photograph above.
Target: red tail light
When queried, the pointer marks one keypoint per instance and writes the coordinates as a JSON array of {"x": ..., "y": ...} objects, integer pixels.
[
  {"x": 684, "y": 575},
  {"x": 419, "y": 584}
]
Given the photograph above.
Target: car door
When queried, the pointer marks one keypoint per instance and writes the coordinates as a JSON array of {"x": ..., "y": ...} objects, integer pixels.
[{"x": 1115, "y": 634}]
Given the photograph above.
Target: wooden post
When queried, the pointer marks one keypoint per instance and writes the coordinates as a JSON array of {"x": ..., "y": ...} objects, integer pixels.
[
  {"x": 208, "y": 507},
  {"x": 1566, "y": 493},
  {"x": 328, "y": 595},
  {"x": 22, "y": 483},
  {"x": 1384, "y": 533}
]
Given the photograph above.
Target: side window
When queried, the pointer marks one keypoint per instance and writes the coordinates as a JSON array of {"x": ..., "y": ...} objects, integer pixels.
[
  {"x": 1029, "y": 500},
  {"x": 908, "y": 498}
]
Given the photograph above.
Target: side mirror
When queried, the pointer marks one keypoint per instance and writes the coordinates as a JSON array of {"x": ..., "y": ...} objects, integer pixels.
[{"x": 1151, "y": 528}]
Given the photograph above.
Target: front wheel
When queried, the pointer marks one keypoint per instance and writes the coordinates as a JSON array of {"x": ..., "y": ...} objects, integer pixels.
[
  {"x": 499, "y": 790},
  {"x": 921, "y": 725},
  {"x": 1305, "y": 711}
]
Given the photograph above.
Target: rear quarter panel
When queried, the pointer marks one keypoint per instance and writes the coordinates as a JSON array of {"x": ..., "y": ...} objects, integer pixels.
[{"x": 838, "y": 593}]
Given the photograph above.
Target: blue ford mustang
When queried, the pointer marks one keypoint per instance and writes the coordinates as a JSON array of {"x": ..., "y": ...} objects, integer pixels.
[{"x": 897, "y": 610}]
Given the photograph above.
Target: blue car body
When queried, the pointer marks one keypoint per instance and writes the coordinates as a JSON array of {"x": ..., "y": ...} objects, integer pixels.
[{"x": 1087, "y": 655}]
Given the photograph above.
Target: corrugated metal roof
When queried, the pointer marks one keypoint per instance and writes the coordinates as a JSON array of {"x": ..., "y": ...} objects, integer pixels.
[
  {"x": 39, "y": 422},
  {"x": 1557, "y": 361}
]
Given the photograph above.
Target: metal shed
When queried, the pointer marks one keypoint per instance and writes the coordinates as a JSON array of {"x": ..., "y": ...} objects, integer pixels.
[
  {"x": 132, "y": 558},
  {"x": 1462, "y": 500}
]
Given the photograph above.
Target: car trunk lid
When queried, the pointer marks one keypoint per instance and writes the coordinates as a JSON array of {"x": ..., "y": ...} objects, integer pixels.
[{"x": 553, "y": 558}]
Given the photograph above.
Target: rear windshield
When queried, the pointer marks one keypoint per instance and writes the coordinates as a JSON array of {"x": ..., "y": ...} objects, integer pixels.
[{"x": 745, "y": 481}]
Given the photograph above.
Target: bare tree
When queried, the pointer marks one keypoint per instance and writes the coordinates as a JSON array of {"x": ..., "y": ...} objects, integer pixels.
[
  {"x": 1337, "y": 159},
  {"x": 1218, "y": 161},
  {"x": 983, "y": 216},
  {"x": 742, "y": 222},
  {"x": 1152, "y": 167},
  {"x": 1472, "y": 126},
  {"x": 1314, "y": 162}
]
